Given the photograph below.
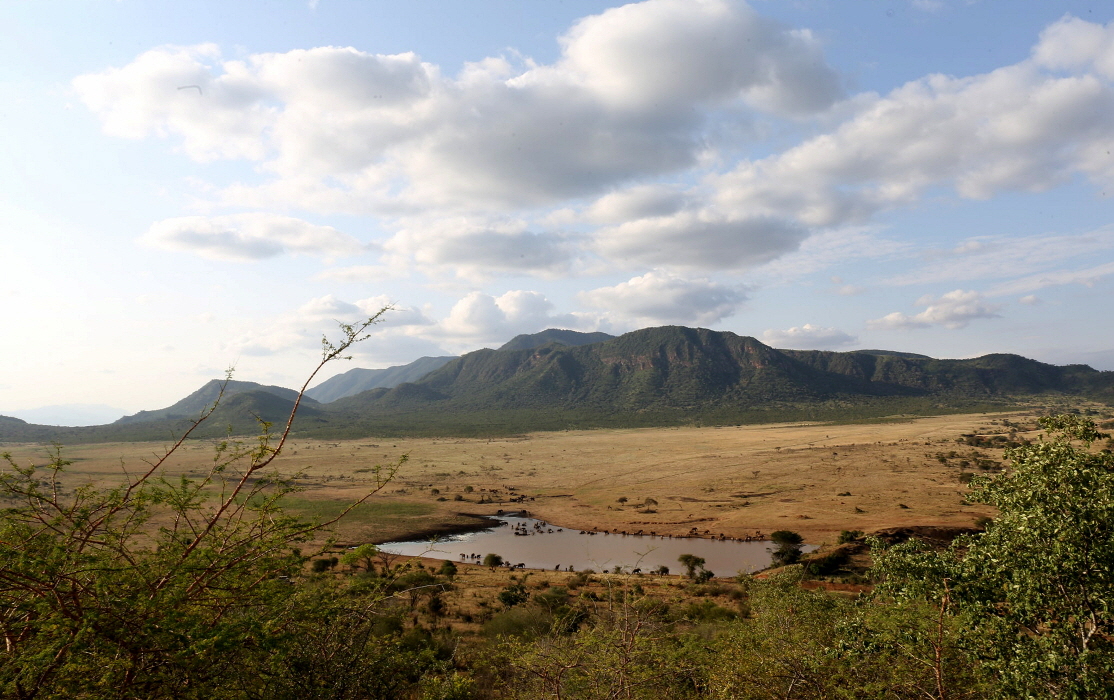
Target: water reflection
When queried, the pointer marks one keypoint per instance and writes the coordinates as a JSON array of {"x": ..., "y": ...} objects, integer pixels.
[{"x": 536, "y": 544}]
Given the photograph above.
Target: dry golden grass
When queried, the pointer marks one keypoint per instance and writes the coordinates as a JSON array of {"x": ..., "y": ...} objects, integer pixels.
[{"x": 731, "y": 480}]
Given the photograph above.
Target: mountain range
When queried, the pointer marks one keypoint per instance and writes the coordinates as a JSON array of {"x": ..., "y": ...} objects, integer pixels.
[
  {"x": 655, "y": 376},
  {"x": 356, "y": 381}
]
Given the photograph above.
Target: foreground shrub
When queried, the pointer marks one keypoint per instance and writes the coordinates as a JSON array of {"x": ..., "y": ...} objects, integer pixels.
[
  {"x": 151, "y": 587},
  {"x": 1034, "y": 593},
  {"x": 526, "y": 623}
]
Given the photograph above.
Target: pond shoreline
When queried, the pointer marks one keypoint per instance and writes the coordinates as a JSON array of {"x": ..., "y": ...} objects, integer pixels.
[
  {"x": 531, "y": 543},
  {"x": 488, "y": 521},
  {"x": 484, "y": 522}
]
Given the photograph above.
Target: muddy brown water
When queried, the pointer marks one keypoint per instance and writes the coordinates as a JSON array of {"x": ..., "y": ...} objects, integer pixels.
[{"x": 540, "y": 545}]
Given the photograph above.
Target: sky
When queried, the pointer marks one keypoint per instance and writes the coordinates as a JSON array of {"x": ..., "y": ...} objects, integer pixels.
[{"x": 189, "y": 187}]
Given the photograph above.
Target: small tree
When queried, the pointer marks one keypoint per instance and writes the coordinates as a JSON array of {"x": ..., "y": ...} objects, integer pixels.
[
  {"x": 493, "y": 560},
  {"x": 364, "y": 556},
  {"x": 788, "y": 549},
  {"x": 692, "y": 564},
  {"x": 514, "y": 594},
  {"x": 320, "y": 566},
  {"x": 448, "y": 569},
  {"x": 415, "y": 585}
]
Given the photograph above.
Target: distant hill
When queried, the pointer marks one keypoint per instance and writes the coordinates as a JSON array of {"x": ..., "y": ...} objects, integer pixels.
[
  {"x": 357, "y": 380},
  {"x": 239, "y": 412},
  {"x": 989, "y": 375},
  {"x": 554, "y": 335},
  {"x": 895, "y": 353},
  {"x": 73, "y": 414},
  {"x": 654, "y": 376},
  {"x": 192, "y": 406}
]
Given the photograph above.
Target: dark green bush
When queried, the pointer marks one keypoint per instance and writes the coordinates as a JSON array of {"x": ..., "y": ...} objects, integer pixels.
[{"x": 526, "y": 622}]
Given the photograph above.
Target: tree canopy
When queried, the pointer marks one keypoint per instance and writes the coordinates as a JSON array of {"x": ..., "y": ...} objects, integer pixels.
[{"x": 1034, "y": 593}]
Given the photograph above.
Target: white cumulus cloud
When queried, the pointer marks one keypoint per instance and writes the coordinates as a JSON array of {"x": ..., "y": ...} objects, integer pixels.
[
  {"x": 699, "y": 239},
  {"x": 670, "y": 54},
  {"x": 660, "y": 298},
  {"x": 953, "y": 310},
  {"x": 1019, "y": 128},
  {"x": 219, "y": 109},
  {"x": 630, "y": 98},
  {"x": 480, "y": 317},
  {"x": 251, "y": 236},
  {"x": 302, "y": 328},
  {"x": 626, "y": 99},
  {"x": 476, "y": 248},
  {"x": 807, "y": 337},
  {"x": 406, "y": 332}
]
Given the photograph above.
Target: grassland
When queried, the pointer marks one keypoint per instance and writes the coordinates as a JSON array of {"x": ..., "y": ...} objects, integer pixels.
[{"x": 815, "y": 478}]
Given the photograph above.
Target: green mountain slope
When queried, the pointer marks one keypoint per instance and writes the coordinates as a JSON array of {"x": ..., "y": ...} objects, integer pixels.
[
  {"x": 239, "y": 413},
  {"x": 667, "y": 368},
  {"x": 672, "y": 374},
  {"x": 358, "y": 380},
  {"x": 554, "y": 335},
  {"x": 995, "y": 374},
  {"x": 192, "y": 406}
]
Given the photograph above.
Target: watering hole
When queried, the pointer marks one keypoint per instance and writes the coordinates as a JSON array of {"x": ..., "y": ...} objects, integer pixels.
[{"x": 537, "y": 544}]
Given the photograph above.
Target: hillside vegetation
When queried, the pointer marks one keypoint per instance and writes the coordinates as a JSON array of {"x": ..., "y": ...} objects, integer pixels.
[
  {"x": 673, "y": 375},
  {"x": 554, "y": 335},
  {"x": 356, "y": 381}
]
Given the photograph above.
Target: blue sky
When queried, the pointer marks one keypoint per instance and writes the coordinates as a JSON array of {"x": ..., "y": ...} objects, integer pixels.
[{"x": 190, "y": 186}]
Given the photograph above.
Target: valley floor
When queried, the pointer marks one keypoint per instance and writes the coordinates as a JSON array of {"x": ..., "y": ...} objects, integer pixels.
[{"x": 816, "y": 479}]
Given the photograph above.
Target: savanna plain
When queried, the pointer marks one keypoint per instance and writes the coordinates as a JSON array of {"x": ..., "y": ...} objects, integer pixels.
[
  {"x": 336, "y": 617},
  {"x": 817, "y": 479}
]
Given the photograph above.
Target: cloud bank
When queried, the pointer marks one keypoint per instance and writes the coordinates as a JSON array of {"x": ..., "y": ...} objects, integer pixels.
[
  {"x": 626, "y": 99},
  {"x": 611, "y": 158},
  {"x": 631, "y": 97}
]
